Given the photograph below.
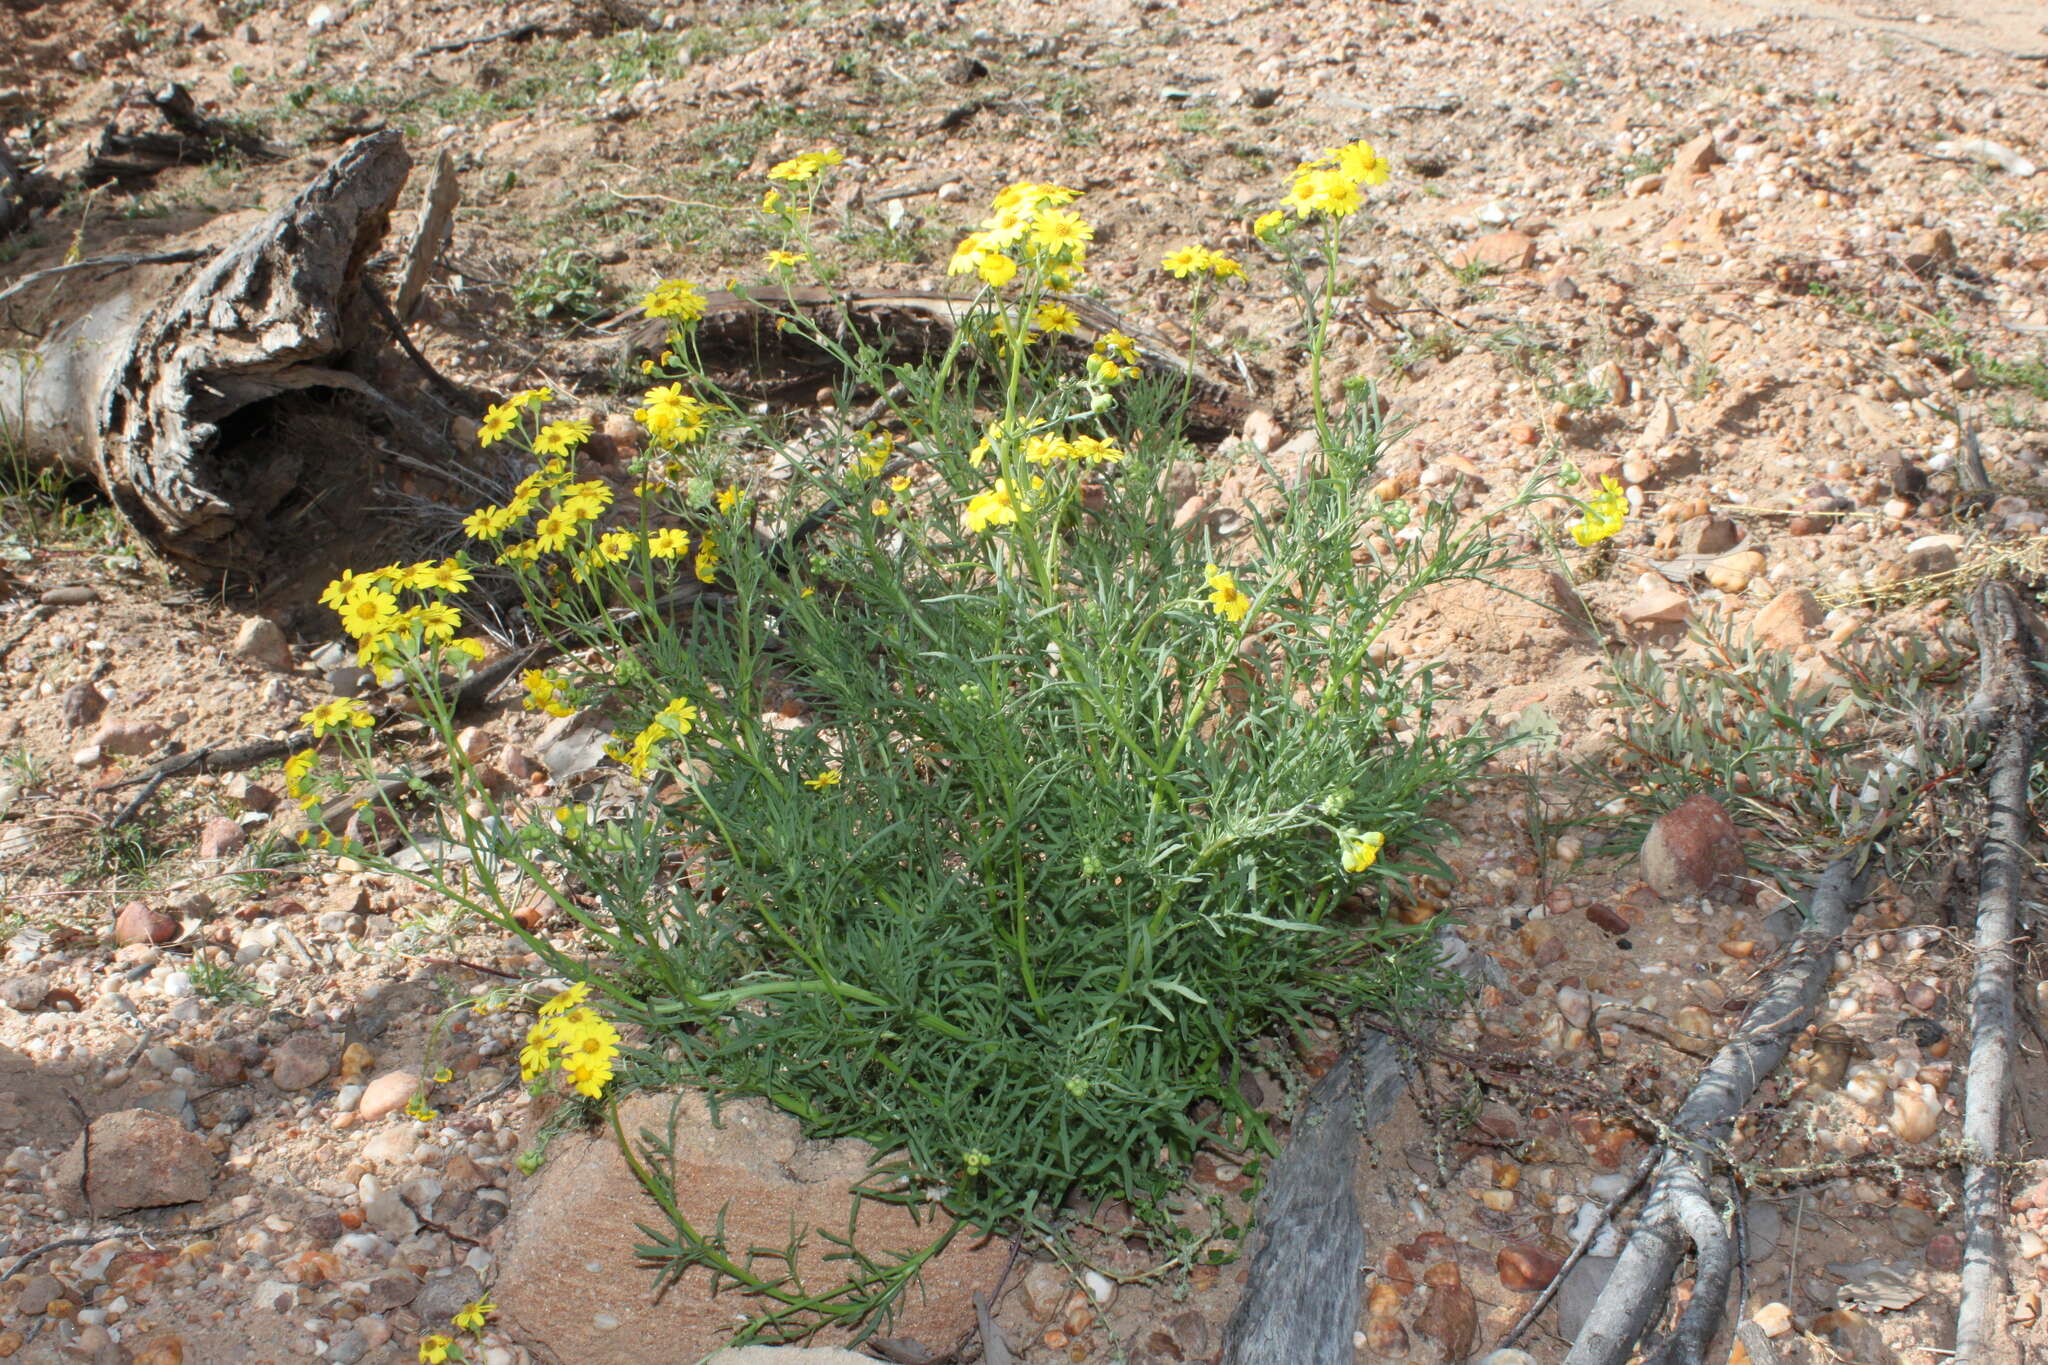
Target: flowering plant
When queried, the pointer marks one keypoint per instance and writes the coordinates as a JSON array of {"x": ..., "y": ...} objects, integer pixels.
[{"x": 979, "y": 809}]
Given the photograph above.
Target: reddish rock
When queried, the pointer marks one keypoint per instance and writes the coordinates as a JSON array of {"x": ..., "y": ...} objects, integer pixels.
[
  {"x": 566, "y": 1254},
  {"x": 1657, "y": 607},
  {"x": 259, "y": 641},
  {"x": 168, "y": 1349},
  {"x": 387, "y": 1094},
  {"x": 1689, "y": 162},
  {"x": 127, "y": 736},
  {"x": 137, "y": 923},
  {"x": 82, "y": 705},
  {"x": 1694, "y": 849},
  {"x": 221, "y": 837},
  {"x": 140, "y": 1160},
  {"x": 1525, "y": 1267},
  {"x": 1786, "y": 618},
  {"x": 302, "y": 1061},
  {"x": 1944, "y": 1252},
  {"x": 1450, "y": 1319},
  {"x": 1508, "y": 250},
  {"x": 1387, "y": 1337},
  {"x": 1606, "y": 918}
]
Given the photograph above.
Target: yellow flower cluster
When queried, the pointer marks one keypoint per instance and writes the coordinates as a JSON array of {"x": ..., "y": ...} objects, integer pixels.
[
  {"x": 1079, "y": 449},
  {"x": 1333, "y": 185},
  {"x": 1056, "y": 318},
  {"x": 995, "y": 506},
  {"x": 341, "y": 713},
  {"x": 1027, "y": 228},
  {"x": 572, "y": 1036},
  {"x": 1113, "y": 359},
  {"x": 367, "y": 604},
  {"x": 543, "y": 693},
  {"x": 1360, "y": 851},
  {"x": 1198, "y": 261},
  {"x": 296, "y": 769},
  {"x": 1606, "y": 513},
  {"x": 672, "y": 417},
  {"x": 1226, "y": 599},
  {"x": 676, "y": 299},
  {"x": 877, "y": 450},
  {"x": 500, "y": 418},
  {"x": 805, "y": 165},
  {"x": 673, "y": 721}
]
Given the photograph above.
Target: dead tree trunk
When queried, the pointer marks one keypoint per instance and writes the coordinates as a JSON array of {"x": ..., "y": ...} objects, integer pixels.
[{"x": 219, "y": 407}]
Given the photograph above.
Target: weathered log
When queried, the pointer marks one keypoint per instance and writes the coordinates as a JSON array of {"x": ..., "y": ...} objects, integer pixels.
[
  {"x": 2008, "y": 709},
  {"x": 1300, "y": 1299},
  {"x": 129, "y": 156},
  {"x": 218, "y": 407}
]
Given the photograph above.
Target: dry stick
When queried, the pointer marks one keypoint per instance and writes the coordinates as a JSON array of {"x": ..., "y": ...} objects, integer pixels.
[
  {"x": 1621, "y": 1201},
  {"x": 382, "y": 307},
  {"x": 179, "y": 257},
  {"x": 1678, "y": 1211},
  {"x": 428, "y": 236},
  {"x": 2007, "y": 707},
  {"x": 513, "y": 34}
]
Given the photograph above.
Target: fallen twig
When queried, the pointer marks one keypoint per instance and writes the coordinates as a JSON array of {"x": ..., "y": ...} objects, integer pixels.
[
  {"x": 503, "y": 35},
  {"x": 215, "y": 758},
  {"x": 2007, "y": 710},
  {"x": 382, "y": 307},
  {"x": 134, "y": 808},
  {"x": 178, "y": 257},
  {"x": 1680, "y": 1211},
  {"x": 34, "y": 1254},
  {"x": 1585, "y": 1244}
]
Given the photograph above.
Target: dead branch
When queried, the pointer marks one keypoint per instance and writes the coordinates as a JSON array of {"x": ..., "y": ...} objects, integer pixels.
[
  {"x": 2007, "y": 709},
  {"x": 1680, "y": 1211},
  {"x": 190, "y": 139},
  {"x": 34, "y": 277},
  {"x": 1300, "y": 1299},
  {"x": 1585, "y": 1244},
  {"x": 516, "y": 33},
  {"x": 429, "y": 235}
]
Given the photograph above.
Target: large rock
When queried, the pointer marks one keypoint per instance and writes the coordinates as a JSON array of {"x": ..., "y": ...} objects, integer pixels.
[
  {"x": 1694, "y": 849},
  {"x": 259, "y": 641},
  {"x": 1786, "y": 618},
  {"x": 568, "y": 1281},
  {"x": 140, "y": 1160},
  {"x": 302, "y": 1061}
]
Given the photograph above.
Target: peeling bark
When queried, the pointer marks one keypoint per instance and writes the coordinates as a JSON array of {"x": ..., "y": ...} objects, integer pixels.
[{"x": 218, "y": 407}]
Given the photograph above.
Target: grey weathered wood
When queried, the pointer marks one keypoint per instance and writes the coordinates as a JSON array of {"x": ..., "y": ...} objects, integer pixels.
[
  {"x": 2008, "y": 702},
  {"x": 429, "y": 235},
  {"x": 1678, "y": 1212},
  {"x": 1300, "y": 1301},
  {"x": 159, "y": 382}
]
